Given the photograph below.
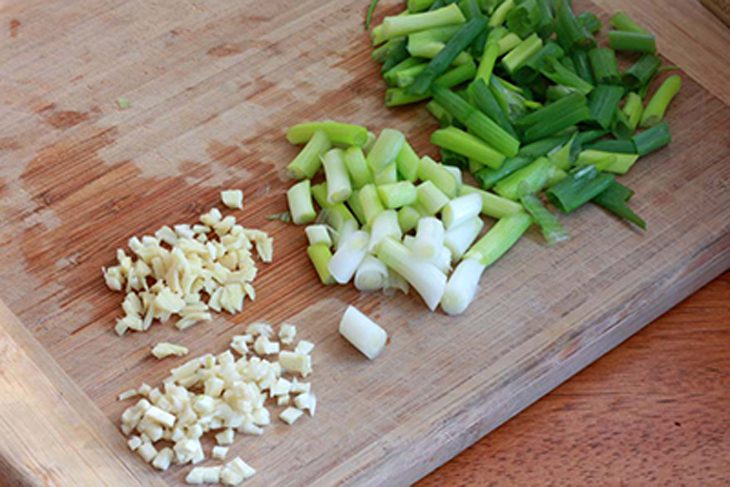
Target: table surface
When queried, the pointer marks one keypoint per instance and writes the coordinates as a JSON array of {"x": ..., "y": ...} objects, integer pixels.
[{"x": 654, "y": 409}]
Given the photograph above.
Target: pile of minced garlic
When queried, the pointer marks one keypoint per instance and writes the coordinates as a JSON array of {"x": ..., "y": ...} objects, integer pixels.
[
  {"x": 188, "y": 270},
  {"x": 222, "y": 394}
]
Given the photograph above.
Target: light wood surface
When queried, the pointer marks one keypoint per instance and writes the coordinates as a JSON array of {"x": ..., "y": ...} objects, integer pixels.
[
  {"x": 212, "y": 84},
  {"x": 651, "y": 412}
]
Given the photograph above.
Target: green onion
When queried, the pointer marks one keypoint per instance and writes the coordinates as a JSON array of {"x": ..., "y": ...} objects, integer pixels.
[
  {"x": 369, "y": 15},
  {"x": 371, "y": 275},
  {"x": 320, "y": 255},
  {"x": 570, "y": 32},
  {"x": 357, "y": 167},
  {"x": 615, "y": 162},
  {"x": 430, "y": 198},
  {"x": 530, "y": 179},
  {"x": 430, "y": 170},
  {"x": 489, "y": 59},
  {"x": 559, "y": 74},
  {"x": 349, "y": 254},
  {"x": 385, "y": 225},
  {"x": 604, "y": 65},
  {"x": 403, "y": 25},
  {"x": 583, "y": 65},
  {"x": 338, "y": 181},
  {"x": 385, "y": 150},
  {"x": 408, "y": 218},
  {"x": 562, "y": 157},
  {"x": 370, "y": 202},
  {"x": 397, "y": 53},
  {"x": 657, "y": 106},
  {"x": 492, "y": 205},
  {"x": 458, "y": 141},
  {"x": 589, "y": 21},
  {"x": 444, "y": 118},
  {"x": 318, "y": 234},
  {"x": 415, "y": 6},
  {"x": 507, "y": 43},
  {"x": 319, "y": 193},
  {"x": 620, "y": 146},
  {"x": 621, "y": 21},
  {"x": 489, "y": 177},
  {"x": 614, "y": 199},
  {"x": 397, "y": 195},
  {"x": 500, "y": 14},
  {"x": 525, "y": 18},
  {"x": 528, "y": 72},
  {"x": 512, "y": 103},
  {"x": 430, "y": 50},
  {"x": 407, "y": 163},
  {"x": 391, "y": 76},
  {"x": 429, "y": 239},
  {"x": 299, "y": 198},
  {"x": 461, "y": 209},
  {"x": 488, "y": 104},
  {"x": 460, "y": 238},
  {"x": 388, "y": 175},
  {"x": 628, "y": 118},
  {"x": 457, "y": 75},
  {"x": 338, "y": 217},
  {"x": 440, "y": 64},
  {"x": 477, "y": 122},
  {"x": 553, "y": 231},
  {"x": 603, "y": 104},
  {"x": 306, "y": 164},
  {"x": 588, "y": 136},
  {"x": 520, "y": 54},
  {"x": 641, "y": 72},
  {"x": 555, "y": 117},
  {"x": 500, "y": 238},
  {"x": 652, "y": 139},
  {"x": 579, "y": 188},
  {"x": 336, "y": 132},
  {"x": 354, "y": 203},
  {"x": 631, "y": 41}
]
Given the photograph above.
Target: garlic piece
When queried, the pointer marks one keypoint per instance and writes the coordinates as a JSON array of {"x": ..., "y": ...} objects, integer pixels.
[{"x": 164, "y": 349}]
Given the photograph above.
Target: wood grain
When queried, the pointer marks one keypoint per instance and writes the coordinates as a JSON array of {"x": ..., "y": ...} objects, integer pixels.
[
  {"x": 651, "y": 412},
  {"x": 211, "y": 86}
]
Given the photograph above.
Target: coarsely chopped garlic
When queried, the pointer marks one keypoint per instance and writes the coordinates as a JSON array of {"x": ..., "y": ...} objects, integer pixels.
[
  {"x": 164, "y": 349},
  {"x": 186, "y": 271},
  {"x": 304, "y": 347},
  {"x": 128, "y": 394},
  {"x": 232, "y": 198},
  {"x": 222, "y": 395},
  {"x": 287, "y": 332}
]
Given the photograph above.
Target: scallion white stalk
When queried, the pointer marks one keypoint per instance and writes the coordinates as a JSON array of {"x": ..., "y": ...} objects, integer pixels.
[
  {"x": 462, "y": 286},
  {"x": 428, "y": 281},
  {"x": 347, "y": 228},
  {"x": 430, "y": 198},
  {"x": 371, "y": 275},
  {"x": 385, "y": 150},
  {"x": 429, "y": 237},
  {"x": 456, "y": 172},
  {"x": 339, "y": 187},
  {"x": 396, "y": 282},
  {"x": 318, "y": 234},
  {"x": 299, "y": 198},
  {"x": 348, "y": 256},
  {"x": 459, "y": 238},
  {"x": 461, "y": 209},
  {"x": 363, "y": 333},
  {"x": 385, "y": 225}
]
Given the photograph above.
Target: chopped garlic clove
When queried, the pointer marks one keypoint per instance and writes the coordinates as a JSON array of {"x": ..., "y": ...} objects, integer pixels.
[
  {"x": 128, "y": 394},
  {"x": 287, "y": 333},
  {"x": 147, "y": 451},
  {"x": 219, "y": 452},
  {"x": 232, "y": 198},
  {"x": 263, "y": 346},
  {"x": 204, "y": 475},
  {"x": 163, "y": 459},
  {"x": 224, "y": 437},
  {"x": 304, "y": 347},
  {"x": 296, "y": 362},
  {"x": 290, "y": 415},
  {"x": 134, "y": 442},
  {"x": 164, "y": 349}
]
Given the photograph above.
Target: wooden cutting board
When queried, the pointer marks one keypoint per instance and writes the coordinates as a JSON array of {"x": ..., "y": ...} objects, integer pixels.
[{"x": 212, "y": 85}]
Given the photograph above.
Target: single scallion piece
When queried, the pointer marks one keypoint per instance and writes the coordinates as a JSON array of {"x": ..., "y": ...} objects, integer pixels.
[
  {"x": 488, "y": 177},
  {"x": 397, "y": 53},
  {"x": 499, "y": 16},
  {"x": 318, "y": 234},
  {"x": 371, "y": 275},
  {"x": 570, "y": 32},
  {"x": 357, "y": 167},
  {"x": 489, "y": 59},
  {"x": 299, "y": 198},
  {"x": 397, "y": 195},
  {"x": 628, "y": 117},
  {"x": 439, "y": 175},
  {"x": 562, "y": 157},
  {"x": 507, "y": 43},
  {"x": 407, "y": 162},
  {"x": 604, "y": 65},
  {"x": 461, "y": 209},
  {"x": 385, "y": 150},
  {"x": 458, "y": 141},
  {"x": 500, "y": 238},
  {"x": 615, "y": 162},
  {"x": 320, "y": 255},
  {"x": 657, "y": 106},
  {"x": 338, "y": 181},
  {"x": 455, "y": 76},
  {"x": 408, "y": 218},
  {"x": 609, "y": 145},
  {"x": 579, "y": 188},
  {"x": 348, "y": 256},
  {"x": 522, "y": 52},
  {"x": 555, "y": 117},
  {"x": 512, "y": 103},
  {"x": 336, "y": 132},
  {"x": 603, "y": 103},
  {"x": 462, "y": 286},
  {"x": 530, "y": 179},
  {"x": 486, "y": 102},
  {"x": 306, "y": 164},
  {"x": 631, "y": 41},
  {"x": 529, "y": 71},
  {"x": 553, "y": 231},
  {"x": 590, "y": 21},
  {"x": 460, "y": 238},
  {"x": 415, "y": 6},
  {"x": 385, "y": 225},
  {"x": 614, "y": 199},
  {"x": 583, "y": 65},
  {"x": 402, "y": 25},
  {"x": 387, "y": 175},
  {"x": 430, "y": 198},
  {"x": 429, "y": 238},
  {"x": 370, "y": 202},
  {"x": 559, "y": 74},
  {"x": 641, "y": 72},
  {"x": 621, "y": 21},
  {"x": 319, "y": 193},
  {"x": 429, "y": 49},
  {"x": 356, "y": 206},
  {"x": 652, "y": 139}
]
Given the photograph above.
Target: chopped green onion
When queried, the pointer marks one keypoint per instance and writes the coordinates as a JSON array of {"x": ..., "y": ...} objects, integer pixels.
[
  {"x": 462, "y": 286},
  {"x": 558, "y": 73},
  {"x": 590, "y": 21},
  {"x": 306, "y": 164},
  {"x": 652, "y": 139},
  {"x": 430, "y": 170},
  {"x": 369, "y": 15},
  {"x": 579, "y": 188},
  {"x": 429, "y": 238},
  {"x": 460, "y": 238},
  {"x": 456, "y": 172},
  {"x": 357, "y": 167},
  {"x": 429, "y": 50},
  {"x": 615, "y": 162},
  {"x": 657, "y": 106},
  {"x": 604, "y": 65},
  {"x": 318, "y": 234},
  {"x": 528, "y": 72},
  {"x": 438, "y": 112},
  {"x": 461, "y": 209},
  {"x": 553, "y": 231},
  {"x": 500, "y": 14},
  {"x": 628, "y": 117},
  {"x": 338, "y": 181},
  {"x": 338, "y": 217},
  {"x": 408, "y": 218},
  {"x": 570, "y": 32},
  {"x": 437, "y": 34},
  {"x": 320, "y": 255},
  {"x": 336, "y": 132},
  {"x": 530, "y": 179},
  {"x": 440, "y": 64},
  {"x": 371, "y": 275},
  {"x": 299, "y": 197},
  {"x": 392, "y": 75},
  {"x": 587, "y": 137},
  {"x": 477, "y": 122},
  {"x": 397, "y": 195},
  {"x": 407, "y": 163},
  {"x": 319, "y": 193},
  {"x": 583, "y": 65},
  {"x": 488, "y": 177},
  {"x": 555, "y": 117},
  {"x": 492, "y": 205},
  {"x": 430, "y": 198},
  {"x": 620, "y": 146},
  {"x": 512, "y": 103},
  {"x": 397, "y": 53},
  {"x": 354, "y": 203},
  {"x": 425, "y": 278},
  {"x": 403, "y": 25},
  {"x": 489, "y": 59},
  {"x": 388, "y": 175},
  {"x": 529, "y": 16},
  {"x": 370, "y": 202},
  {"x": 561, "y": 158},
  {"x": 488, "y": 104},
  {"x": 621, "y": 21},
  {"x": 385, "y": 225},
  {"x": 458, "y": 141},
  {"x": 348, "y": 256},
  {"x": 641, "y": 72},
  {"x": 520, "y": 54},
  {"x": 284, "y": 216},
  {"x": 500, "y": 238},
  {"x": 603, "y": 104},
  {"x": 455, "y": 76},
  {"x": 415, "y": 6},
  {"x": 631, "y": 41},
  {"x": 614, "y": 199},
  {"x": 507, "y": 43},
  {"x": 385, "y": 150}
]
